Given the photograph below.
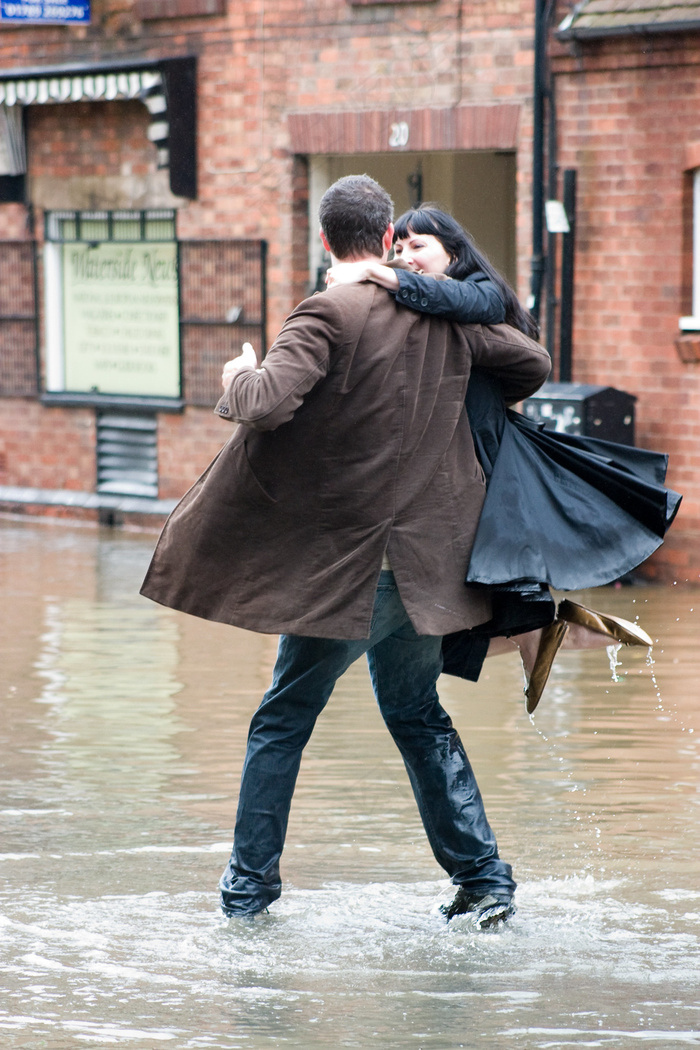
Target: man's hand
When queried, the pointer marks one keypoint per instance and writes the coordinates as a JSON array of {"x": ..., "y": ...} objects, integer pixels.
[{"x": 246, "y": 359}]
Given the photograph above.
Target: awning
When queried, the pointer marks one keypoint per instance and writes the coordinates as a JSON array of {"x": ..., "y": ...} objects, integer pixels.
[{"x": 167, "y": 87}]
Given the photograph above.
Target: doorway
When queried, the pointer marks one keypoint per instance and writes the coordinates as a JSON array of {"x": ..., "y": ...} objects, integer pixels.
[{"x": 477, "y": 187}]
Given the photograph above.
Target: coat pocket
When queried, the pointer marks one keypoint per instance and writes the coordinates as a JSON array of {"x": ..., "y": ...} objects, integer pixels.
[{"x": 251, "y": 487}]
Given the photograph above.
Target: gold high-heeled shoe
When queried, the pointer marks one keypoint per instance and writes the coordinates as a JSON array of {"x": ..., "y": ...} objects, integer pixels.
[
  {"x": 614, "y": 627},
  {"x": 550, "y": 643}
]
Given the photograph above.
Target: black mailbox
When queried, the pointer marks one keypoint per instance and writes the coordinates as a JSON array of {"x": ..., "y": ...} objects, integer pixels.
[{"x": 580, "y": 408}]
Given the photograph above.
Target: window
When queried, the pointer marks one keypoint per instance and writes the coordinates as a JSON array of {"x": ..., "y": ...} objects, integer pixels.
[
  {"x": 692, "y": 322},
  {"x": 112, "y": 316}
]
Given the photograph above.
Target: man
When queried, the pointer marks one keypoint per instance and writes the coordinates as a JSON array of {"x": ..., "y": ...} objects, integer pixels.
[{"x": 341, "y": 515}]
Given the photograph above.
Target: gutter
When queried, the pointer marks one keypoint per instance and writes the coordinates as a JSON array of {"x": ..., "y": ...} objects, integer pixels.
[{"x": 567, "y": 31}]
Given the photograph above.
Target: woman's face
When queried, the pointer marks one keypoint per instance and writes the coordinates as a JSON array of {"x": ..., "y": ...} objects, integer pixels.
[{"x": 422, "y": 252}]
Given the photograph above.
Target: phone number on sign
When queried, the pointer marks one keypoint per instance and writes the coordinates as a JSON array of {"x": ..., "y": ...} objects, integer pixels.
[{"x": 59, "y": 12}]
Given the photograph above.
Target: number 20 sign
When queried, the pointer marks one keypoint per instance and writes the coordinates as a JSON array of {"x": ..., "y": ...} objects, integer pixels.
[{"x": 398, "y": 134}]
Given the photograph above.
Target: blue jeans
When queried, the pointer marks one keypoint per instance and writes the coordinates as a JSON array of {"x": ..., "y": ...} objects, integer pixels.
[{"x": 404, "y": 669}]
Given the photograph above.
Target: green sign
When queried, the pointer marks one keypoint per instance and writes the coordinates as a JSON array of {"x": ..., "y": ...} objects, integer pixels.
[{"x": 120, "y": 317}]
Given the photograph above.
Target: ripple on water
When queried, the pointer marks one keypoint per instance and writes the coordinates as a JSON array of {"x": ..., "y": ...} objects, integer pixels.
[
  {"x": 382, "y": 945},
  {"x": 117, "y": 795}
]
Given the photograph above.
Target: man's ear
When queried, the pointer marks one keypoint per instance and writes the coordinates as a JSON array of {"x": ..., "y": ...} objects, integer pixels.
[
  {"x": 388, "y": 238},
  {"x": 324, "y": 242}
]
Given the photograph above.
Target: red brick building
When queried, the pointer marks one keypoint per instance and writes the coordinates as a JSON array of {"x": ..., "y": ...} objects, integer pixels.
[
  {"x": 627, "y": 87},
  {"x": 209, "y": 130}
]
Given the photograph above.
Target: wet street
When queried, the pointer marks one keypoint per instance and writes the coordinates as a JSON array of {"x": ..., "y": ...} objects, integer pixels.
[{"x": 123, "y": 731}]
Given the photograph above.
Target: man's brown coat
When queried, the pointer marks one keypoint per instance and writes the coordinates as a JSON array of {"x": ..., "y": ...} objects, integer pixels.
[{"x": 353, "y": 441}]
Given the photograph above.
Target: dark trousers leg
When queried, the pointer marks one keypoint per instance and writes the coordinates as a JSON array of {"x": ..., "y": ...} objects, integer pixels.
[
  {"x": 304, "y": 676},
  {"x": 404, "y": 669}
]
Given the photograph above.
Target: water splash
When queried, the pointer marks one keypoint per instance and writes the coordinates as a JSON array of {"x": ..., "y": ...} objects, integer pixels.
[
  {"x": 612, "y": 651},
  {"x": 651, "y": 664}
]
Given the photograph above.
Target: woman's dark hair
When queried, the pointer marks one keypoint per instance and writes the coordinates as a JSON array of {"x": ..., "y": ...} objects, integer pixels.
[{"x": 465, "y": 257}]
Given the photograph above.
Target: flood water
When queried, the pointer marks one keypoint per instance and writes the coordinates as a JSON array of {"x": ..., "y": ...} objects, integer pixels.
[{"x": 123, "y": 730}]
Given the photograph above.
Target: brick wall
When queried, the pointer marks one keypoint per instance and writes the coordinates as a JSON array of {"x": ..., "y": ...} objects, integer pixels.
[
  {"x": 626, "y": 115},
  {"x": 626, "y": 118},
  {"x": 259, "y": 63},
  {"x": 14, "y": 222},
  {"x": 271, "y": 62},
  {"x": 54, "y": 448},
  {"x": 51, "y": 448},
  {"x": 83, "y": 139},
  {"x": 186, "y": 445},
  {"x": 151, "y": 9}
]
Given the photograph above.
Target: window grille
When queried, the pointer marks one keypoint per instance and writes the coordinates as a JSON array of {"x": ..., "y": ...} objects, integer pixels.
[
  {"x": 18, "y": 320},
  {"x": 222, "y": 306},
  {"x": 97, "y": 226}
]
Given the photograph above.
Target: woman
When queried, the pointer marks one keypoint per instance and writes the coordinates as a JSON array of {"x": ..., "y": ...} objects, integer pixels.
[
  {"x": 428, "y": 241},
  {"x": 429, "y": 245}
]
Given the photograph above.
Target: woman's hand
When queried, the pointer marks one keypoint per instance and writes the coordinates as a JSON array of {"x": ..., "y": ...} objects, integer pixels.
[
  {"x": 347, "y": 273},
  {"x": 246, "y": 359},
  {"x": 357, "y": 272}
]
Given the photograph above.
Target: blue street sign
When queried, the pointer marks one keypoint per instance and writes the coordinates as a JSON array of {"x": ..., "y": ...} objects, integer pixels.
[{"x": 45, "y": 11}]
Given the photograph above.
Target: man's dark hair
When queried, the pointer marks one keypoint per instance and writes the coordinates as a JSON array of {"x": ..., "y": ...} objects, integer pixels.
[{"x": 354, "y": 214}]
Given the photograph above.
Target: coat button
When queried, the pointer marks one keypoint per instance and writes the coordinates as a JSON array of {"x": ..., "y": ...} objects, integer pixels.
[
  {"x": 424, "y": 302},
  {"x": 414, "y": 298},
  {"x": 404, "y": 293}
]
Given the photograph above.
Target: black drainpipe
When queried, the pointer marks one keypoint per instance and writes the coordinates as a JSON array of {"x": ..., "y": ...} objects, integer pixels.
[
  {"x": 552, "y": 194},
  {"x": 538, "y": 264}
]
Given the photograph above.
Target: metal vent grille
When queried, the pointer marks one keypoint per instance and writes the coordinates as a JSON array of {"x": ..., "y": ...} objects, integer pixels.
[{"x": 127, "y": 454}]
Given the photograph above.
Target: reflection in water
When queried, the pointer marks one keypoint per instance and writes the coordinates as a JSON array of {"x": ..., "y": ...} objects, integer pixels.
[
  {"x": 109, "y": 672},
  {"x": 123, "y": 732}
]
